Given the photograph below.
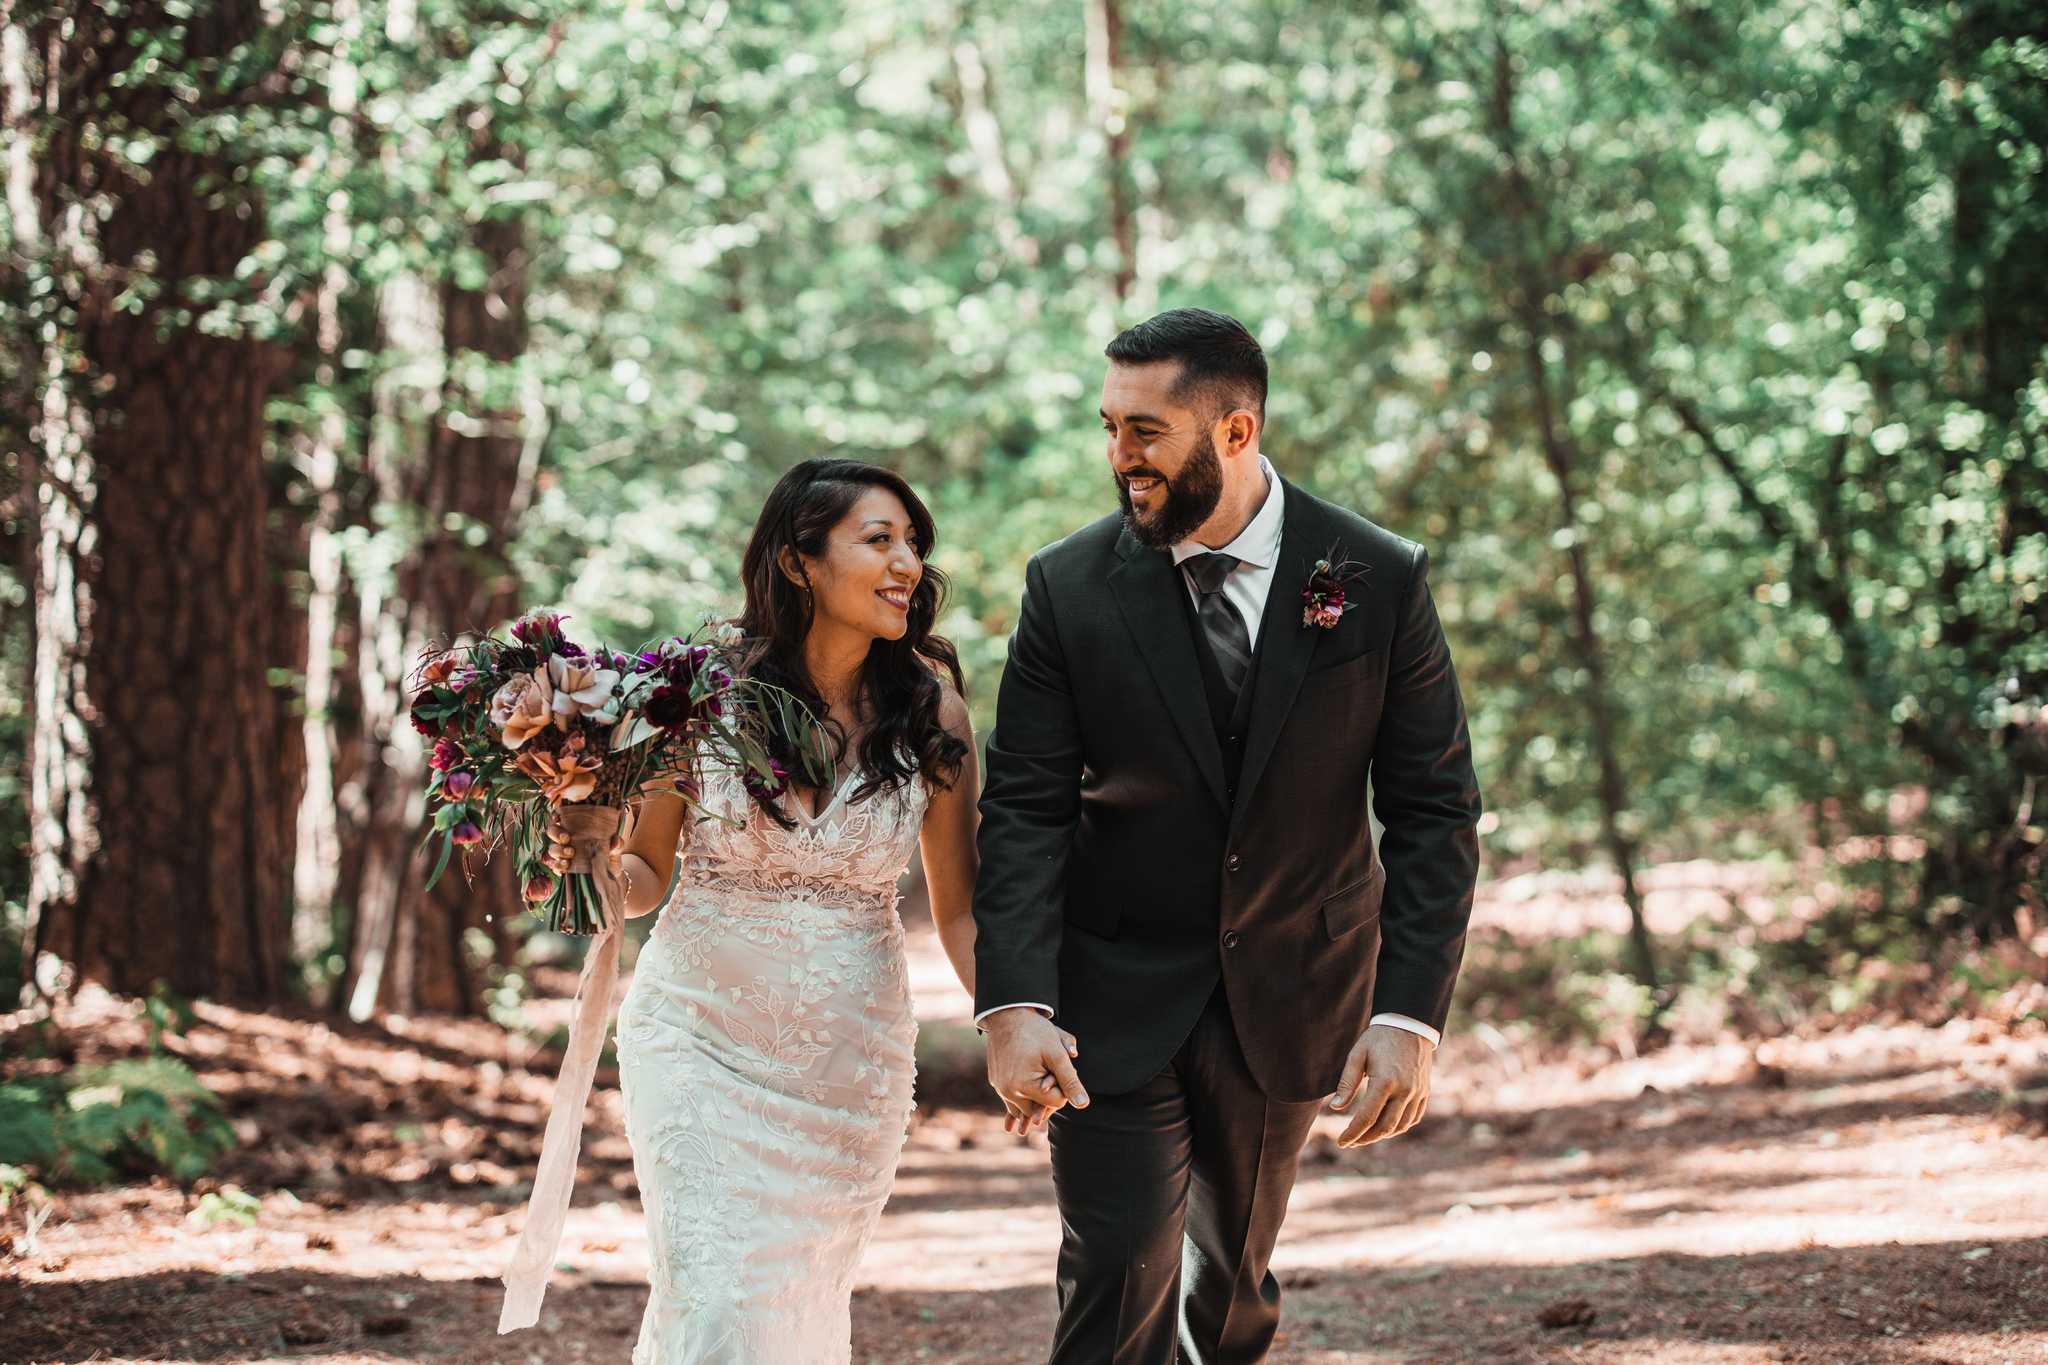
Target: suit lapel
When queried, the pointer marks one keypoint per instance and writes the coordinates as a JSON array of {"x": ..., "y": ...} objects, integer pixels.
[
  {"x": 1144, "y": 585},
  {"x": 1285, "y": 645}
]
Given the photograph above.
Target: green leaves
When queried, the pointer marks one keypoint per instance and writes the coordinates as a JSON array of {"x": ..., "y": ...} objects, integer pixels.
[{"x": 128, "y": 1118}]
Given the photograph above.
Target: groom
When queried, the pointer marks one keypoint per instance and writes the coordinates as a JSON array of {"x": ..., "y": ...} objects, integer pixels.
[{"x": 1176, "y": 862}]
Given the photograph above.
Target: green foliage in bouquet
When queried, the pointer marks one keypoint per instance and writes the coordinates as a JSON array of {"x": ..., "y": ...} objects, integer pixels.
[{"x": 522, "y": 725}]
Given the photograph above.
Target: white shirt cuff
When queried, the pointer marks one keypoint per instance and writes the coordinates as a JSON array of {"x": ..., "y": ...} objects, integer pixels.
[
  {"x": 1045, "y": 1010},
  {"x": 1403, "y": 1021}
]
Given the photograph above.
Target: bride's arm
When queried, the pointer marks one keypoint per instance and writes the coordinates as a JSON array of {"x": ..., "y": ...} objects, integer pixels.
[
  {"x": 653, "y": 836},
  {"x": 947, "y": 839}
]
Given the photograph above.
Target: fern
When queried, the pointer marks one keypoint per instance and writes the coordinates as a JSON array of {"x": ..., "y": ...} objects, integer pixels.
[{"x": 132, "y": 1117}]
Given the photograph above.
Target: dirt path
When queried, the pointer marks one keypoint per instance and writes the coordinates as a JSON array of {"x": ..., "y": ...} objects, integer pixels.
[{"x": 1875, "y": 1195}]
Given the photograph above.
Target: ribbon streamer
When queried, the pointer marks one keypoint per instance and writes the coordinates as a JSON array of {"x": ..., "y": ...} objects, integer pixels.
[{"x": 526, "y": 1278}]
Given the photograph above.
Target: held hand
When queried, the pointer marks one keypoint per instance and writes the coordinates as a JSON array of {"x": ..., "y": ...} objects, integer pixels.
[
  {"x": 1021, "y": 1119},
  {"x": 580, "y": 834},
  {"x": 1031, "y": 1067},
  {"x": 1385, "y": 1086}
]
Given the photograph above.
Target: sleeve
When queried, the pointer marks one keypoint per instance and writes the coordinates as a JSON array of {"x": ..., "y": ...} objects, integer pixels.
[
  {"x": 1427, "y": 799},
  {"x": 1030, "y": 800}
]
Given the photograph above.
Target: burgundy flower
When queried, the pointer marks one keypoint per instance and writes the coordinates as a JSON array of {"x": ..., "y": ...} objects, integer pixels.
[
  {"x": 429, "y": 728},
  {"x": 539, "y": 887},
  {"x": 668, "y": 706},
  {"x": 766, "y": 788},
  {"x": 466, "y": 833},
  {"x": 457, "y": 784},
  {"x": 542, "y": 629},
  {"x": 447, "y": 754}
]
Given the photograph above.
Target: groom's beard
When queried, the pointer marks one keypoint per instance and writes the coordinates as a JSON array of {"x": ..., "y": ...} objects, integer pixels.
[{"x": 1190, "y": 497}]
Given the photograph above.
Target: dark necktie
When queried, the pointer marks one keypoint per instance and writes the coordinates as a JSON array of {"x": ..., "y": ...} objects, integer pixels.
[{"x": 1228, "y": 639}]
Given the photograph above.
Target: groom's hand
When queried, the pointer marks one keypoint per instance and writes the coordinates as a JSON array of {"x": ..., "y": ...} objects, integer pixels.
[
  {"x": 1385, "y": 1086},
  {"x": 1031, "y": 1066}
]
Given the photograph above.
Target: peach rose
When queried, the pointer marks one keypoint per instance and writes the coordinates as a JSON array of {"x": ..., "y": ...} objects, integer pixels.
[
  {"x": 523, "y": 707},
  {"x": 561, "y": 777},
  {"x": 580, "y": 687}
]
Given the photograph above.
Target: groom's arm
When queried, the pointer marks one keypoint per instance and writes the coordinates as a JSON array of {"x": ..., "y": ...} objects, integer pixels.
[
  {"x": 1427, "y": 798},
  {"x": 1029, "y": 804}
]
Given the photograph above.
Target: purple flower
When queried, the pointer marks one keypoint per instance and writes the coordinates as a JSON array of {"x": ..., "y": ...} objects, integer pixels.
[
  {"x": 457, "y": 784},
  {"x": 767, "y": 788},
  {"x": 467, "y": 833},
  {"x": 536, "y": 627},
  {"x": 447, "y": 754}
]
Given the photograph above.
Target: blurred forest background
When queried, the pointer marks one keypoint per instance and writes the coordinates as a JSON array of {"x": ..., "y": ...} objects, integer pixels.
[{"x": 1703, "y": 345}]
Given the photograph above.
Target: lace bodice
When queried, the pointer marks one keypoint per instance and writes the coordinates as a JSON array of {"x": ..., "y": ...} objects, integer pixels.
[{"x": 848, "y": 857}]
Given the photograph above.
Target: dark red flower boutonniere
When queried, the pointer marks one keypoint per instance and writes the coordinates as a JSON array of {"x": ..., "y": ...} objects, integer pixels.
[{"x": 1322, "y": 597}]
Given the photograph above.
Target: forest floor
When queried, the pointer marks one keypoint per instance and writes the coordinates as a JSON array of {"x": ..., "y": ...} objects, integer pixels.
[{"x": 1876, "y": 1193}]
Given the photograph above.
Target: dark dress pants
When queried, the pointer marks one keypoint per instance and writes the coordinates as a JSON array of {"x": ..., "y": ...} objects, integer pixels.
[{"x": 1170, "y": 1198}]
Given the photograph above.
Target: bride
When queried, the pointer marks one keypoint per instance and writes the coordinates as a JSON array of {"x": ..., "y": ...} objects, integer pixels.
[{"x": 765, "y": 1046}]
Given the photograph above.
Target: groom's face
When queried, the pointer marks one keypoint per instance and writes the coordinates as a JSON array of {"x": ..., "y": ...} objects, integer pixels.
[{"x": 1161, "y": 452}]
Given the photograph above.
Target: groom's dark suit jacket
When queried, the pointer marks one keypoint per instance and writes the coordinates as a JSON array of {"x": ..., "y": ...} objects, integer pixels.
[{"x": 1140, "y": 837}]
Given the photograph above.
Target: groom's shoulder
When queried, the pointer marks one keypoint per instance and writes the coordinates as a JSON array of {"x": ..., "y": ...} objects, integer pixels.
[
  {"x": 1361, "y": 538},
  {"x": 1083, "y": 550}
]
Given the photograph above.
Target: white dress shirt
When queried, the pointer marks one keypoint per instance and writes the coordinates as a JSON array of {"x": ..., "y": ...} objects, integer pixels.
[{"x": 1257, "y": 552}]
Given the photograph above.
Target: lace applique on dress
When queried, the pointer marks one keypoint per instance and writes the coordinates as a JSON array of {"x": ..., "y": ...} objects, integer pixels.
[{"x": 765, "y": 1052}]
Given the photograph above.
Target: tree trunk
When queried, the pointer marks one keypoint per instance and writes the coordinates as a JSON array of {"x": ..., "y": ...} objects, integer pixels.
[
  {"x": 1107, "y": 110},
  {"x": 318, "y": 869},
  {"x": 1531, "y": 288},
  {"x": 468, "y": 479},
  {"x": 161, "y": 819}
]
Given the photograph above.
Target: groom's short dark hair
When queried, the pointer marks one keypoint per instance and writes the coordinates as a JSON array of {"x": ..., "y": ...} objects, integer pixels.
[{"x": 1220, "y": 361}]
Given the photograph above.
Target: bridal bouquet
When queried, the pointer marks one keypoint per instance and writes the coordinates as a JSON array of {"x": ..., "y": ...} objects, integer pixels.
[{"x": 522, "y": 726}]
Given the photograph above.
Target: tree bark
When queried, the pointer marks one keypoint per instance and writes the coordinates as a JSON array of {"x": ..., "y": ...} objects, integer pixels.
[
  {"x": 464, "y": 472},
  {"x": 1107, "y": 110},
  {"x": 321, "y": 449},
  {"x": 161, "y": 814}
]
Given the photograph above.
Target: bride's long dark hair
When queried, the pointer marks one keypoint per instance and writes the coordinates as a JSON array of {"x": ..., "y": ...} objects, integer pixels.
[{"x": 900, "y": 678}]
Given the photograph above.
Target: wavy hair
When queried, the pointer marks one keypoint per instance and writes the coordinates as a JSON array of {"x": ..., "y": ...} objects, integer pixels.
[{"x": 899, "y": 678}]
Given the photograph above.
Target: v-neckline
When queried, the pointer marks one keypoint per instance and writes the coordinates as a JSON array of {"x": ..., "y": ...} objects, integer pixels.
[{"x": 838, "y": 791}]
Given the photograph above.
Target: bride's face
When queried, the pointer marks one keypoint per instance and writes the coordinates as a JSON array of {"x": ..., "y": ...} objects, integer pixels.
[{"x": 870, "y": 565}]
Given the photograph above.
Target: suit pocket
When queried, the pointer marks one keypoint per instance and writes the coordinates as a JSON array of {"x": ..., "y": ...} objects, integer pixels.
[
  {"x": 1346, "y": 911},
  {"x": 1347, "y": 672}
]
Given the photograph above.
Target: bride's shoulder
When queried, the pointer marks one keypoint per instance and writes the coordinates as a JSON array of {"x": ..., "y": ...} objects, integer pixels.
[{"x": 953, "y": 710}]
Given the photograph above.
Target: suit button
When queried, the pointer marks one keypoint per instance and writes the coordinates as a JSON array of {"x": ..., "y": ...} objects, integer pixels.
[
  {"x": 1233, "y": 862},
  {"x": 1230, "y": 938}
]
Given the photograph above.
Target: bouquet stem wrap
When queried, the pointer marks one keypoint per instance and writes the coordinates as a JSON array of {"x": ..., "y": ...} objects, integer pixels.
[{"x": 526, "y": 1278}]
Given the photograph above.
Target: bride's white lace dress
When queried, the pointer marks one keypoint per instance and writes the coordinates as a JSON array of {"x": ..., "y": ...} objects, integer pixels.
[{"x": 765, "y": 1054}]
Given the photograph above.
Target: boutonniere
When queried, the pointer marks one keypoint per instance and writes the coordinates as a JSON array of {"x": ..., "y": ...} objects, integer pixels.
[{"x": 1322, "y": 597}]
